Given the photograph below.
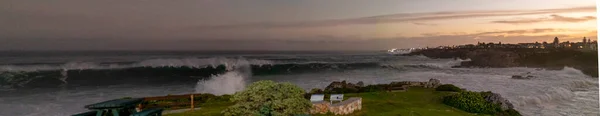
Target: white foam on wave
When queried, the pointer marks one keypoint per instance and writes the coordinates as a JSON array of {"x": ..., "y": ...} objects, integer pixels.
[{"x": 447, "y": 64}]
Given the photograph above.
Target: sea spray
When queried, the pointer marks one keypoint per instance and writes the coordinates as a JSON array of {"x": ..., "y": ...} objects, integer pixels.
[
  {"x": 232, "y": 81},
  {"x": 227, "y": 83}
]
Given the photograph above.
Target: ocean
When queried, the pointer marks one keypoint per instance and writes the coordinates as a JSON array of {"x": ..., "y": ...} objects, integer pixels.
[{"x": 61, "y": 83}]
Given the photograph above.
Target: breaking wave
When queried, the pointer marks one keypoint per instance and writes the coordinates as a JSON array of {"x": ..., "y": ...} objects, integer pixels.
[
  {"x": 427, "y": 65},
  {"x": 154, "y": 71}
]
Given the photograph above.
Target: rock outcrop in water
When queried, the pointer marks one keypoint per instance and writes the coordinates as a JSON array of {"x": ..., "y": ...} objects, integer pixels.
[
  {"x": 522, "y": 77},
  {"x": 497, "y": 99}
]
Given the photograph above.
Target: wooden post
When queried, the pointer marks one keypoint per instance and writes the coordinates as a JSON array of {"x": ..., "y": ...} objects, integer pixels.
[{"x": 192, "y": 100}]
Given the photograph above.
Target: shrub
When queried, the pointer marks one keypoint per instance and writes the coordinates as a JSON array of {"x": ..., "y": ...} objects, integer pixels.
[
  {"x": 316, "y": 91},
  {"x": 471, "y": 102},
  {"x": 268, "y": 98},
  {"x": 448, "y": 87}
]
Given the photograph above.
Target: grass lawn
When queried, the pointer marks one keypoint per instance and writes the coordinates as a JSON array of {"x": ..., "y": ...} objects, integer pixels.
[
  {"x": 207, "y": 109},
  {"x": 414, "y": 102}
]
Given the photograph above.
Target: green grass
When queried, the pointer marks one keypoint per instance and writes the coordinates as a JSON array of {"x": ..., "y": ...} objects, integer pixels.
[
  {"x": 414, "y": 102},
  {"x": 207, "y": 109}
]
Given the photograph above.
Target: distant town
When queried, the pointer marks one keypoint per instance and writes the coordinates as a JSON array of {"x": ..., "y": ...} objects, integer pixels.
[{"x": 585, "y": 44}]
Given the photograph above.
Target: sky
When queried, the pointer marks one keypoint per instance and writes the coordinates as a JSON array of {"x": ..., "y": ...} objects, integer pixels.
[{"x": 287, "y": 24}]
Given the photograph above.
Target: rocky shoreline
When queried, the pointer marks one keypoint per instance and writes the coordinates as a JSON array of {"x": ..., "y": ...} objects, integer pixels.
[{"x": 551, "y": 59}]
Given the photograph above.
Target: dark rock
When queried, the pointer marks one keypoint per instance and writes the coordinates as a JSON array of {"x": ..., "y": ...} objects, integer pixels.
[
  {"x": 517, "y": 77},
  {"x": 342, "y": 87},
  {"x": 333, "y": 85},
  {"x": 433, "y": 83},
  {"x": 498, "y": 99},
  {"x": 522, "y": 77}
]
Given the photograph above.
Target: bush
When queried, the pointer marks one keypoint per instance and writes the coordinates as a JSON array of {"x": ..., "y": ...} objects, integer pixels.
[
  {"x": 471, "y": 102},
  {"x": 448, "y": 87},
  {"x": 316, "y": 91},
  {"x": 268, "y": 98}
]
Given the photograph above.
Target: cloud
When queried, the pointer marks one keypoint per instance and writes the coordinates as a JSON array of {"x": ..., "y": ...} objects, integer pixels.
[
  {"x": 425, "y": 24},
  {"x": 519, "y": 32},
  {"x": 405, "y": 17},
  {"x": 570, "y": 19},
  {"x": 552, "y": 18}
]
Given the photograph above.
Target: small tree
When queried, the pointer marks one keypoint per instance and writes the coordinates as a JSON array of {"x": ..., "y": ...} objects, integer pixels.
[{"x": 267, "y": 98}]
